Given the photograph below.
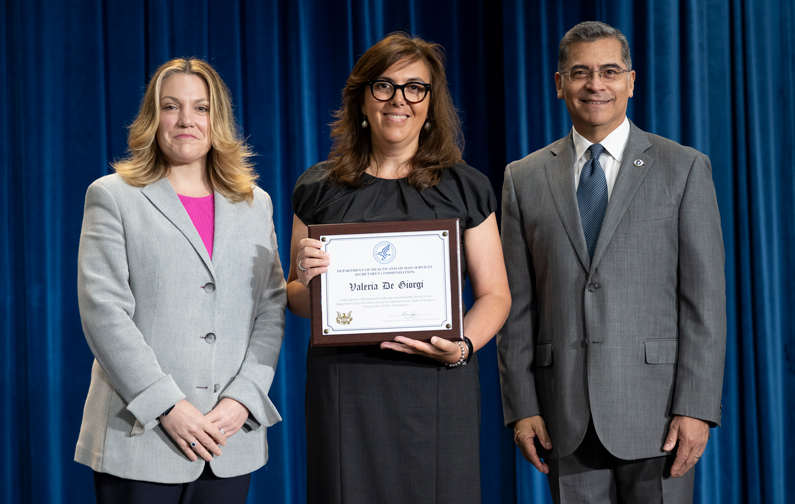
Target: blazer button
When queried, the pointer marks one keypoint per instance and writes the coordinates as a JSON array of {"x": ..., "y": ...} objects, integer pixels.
[
  {"x": 216, "y": 387},
  {"x": 208, "y": 287},
  {"x": 592, "y": 287},
  {"x": 210, "y": 338}
]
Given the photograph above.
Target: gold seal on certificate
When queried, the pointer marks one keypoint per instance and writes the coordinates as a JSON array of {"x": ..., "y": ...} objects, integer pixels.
[{"x": 387, "y": 279}]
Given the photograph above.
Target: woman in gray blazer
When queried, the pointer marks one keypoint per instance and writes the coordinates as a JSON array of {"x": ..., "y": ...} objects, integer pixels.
[{"x": 182, "y": 301}]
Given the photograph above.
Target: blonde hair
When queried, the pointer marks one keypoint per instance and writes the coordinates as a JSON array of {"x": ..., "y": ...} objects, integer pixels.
[{"x": 229, "y": 168}]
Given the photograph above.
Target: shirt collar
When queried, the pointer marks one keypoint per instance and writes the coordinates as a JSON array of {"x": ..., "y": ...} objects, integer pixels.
[{"x": 613, "y": 143}]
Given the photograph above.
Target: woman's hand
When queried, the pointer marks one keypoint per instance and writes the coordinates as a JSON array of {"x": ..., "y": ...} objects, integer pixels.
[
  {"x": 310, "y": 260},
  {"x": 486, "y": 271},
  {"x": 306, "y": 262},
  {"x": 439, "y": 349},
  {"x": 228, "y": 417},
  {"x": 186, "y": 425}
]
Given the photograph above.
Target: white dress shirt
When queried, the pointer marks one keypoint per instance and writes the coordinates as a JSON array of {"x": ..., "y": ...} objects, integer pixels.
[{"x": 610, "y": 159}]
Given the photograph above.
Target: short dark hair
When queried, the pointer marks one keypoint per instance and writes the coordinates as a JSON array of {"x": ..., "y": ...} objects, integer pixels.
[
  {"x": 591, "y": 31},
  {"x": 440, "y": 146}
]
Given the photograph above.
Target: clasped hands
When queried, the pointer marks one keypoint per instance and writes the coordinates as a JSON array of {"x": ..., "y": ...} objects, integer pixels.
[
  {"x": 185, "y": 424},
  {"x": 692, "y": 435},
  {"x": 312, "y": 261}
]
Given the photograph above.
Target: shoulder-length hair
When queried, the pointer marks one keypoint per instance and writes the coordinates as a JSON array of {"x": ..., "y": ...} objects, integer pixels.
[
  {"x": 440, "y": 146},
  {"x": 229, "y": 167}
]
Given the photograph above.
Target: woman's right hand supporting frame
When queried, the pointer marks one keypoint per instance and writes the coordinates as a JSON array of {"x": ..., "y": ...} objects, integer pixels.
[{"x": 306, "y": 262}]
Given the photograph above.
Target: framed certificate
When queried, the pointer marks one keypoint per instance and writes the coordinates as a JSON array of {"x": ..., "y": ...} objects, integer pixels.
[{"x": 387, "y": 279}]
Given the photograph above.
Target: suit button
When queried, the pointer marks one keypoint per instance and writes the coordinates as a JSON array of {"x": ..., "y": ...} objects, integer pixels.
[
  {"x": 216, "y": 387},
  {"x": 210, "y": 338},
  {"x": 208, "y": 287},
  {"x": 592, "y": 287}
]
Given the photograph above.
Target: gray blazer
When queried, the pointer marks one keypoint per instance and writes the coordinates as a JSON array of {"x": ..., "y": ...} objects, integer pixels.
[
  {"x": 166, "y": 323},
  {"x": 632, "y": 337}
]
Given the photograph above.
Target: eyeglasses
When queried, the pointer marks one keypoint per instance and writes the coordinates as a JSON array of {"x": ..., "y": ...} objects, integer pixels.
[
  {"x": 413, "y": 92},
  {"x": 607, "y": 74}
]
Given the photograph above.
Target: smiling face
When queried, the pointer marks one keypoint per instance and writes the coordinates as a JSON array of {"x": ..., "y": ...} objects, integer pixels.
[
  {"x": 596, "y": 107},
  {"x": 395, "y": 124},
  {"x": 183, "y": 133}
]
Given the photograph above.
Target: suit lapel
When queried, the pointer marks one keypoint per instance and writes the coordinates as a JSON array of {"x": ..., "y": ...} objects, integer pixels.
[
  {"x": 627, "y": 183},
  {"x": 162, "y": 196},
  {"x": 225, "y": 212},
  {"x": 561, "y": 180}
]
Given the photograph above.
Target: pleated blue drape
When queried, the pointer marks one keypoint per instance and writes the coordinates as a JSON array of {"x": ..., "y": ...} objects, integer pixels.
[{"x": 715, "y": 75}]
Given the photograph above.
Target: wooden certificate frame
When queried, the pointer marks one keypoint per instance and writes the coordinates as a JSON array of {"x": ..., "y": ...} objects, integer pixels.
[{"x": 446, "y": 323}]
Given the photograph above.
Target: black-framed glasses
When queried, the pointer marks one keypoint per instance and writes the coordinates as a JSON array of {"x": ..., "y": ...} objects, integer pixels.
[
  {"x": 607, "y": 74},
  {"x": 413, "y": 92}
]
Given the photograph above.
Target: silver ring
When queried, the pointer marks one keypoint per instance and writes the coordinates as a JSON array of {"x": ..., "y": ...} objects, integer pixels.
[
  {"x": 222, "y": 431},
  {"x": 301, "y": 267},
  {"x": 698, "y": 456},
  {"x": 193, "y": 444}
]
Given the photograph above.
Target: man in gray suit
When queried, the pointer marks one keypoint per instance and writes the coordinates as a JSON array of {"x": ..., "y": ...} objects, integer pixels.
[{"x": 611, "y": 361}]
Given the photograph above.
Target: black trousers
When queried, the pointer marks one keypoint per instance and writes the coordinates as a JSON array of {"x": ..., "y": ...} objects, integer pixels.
[
  {"x": 593, "y": 475},
  {"x": 209, "y": 488}
]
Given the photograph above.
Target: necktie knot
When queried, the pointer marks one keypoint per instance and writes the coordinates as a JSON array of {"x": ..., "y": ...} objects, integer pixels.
[{"x": 596, "y": 150}]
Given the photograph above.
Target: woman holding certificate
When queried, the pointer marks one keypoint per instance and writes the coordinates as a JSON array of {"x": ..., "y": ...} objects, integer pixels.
[{"x": 397, "y": 422}]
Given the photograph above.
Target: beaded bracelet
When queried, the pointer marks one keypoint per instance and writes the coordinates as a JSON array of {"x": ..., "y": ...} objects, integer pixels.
[{"x": 462, "y": 360}]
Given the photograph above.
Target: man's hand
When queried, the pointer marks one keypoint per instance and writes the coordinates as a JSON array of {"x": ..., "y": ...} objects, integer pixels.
[
  {"x": 692, "y": 435},
  {"x": 524, "y": 432}
]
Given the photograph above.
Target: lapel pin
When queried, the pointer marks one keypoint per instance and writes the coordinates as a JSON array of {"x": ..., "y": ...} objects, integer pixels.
[{"x": 638, "y": 162}]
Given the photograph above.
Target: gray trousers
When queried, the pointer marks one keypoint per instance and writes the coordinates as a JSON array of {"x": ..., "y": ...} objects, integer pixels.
[{"x": 592, "y": 475}]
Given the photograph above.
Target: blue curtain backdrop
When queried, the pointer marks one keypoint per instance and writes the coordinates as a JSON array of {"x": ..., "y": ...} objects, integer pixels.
[{"x": 715, "y": 75}]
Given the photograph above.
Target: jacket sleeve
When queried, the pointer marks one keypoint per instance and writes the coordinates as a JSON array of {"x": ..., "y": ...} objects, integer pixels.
[
  {"x": 107, "y": 306},
  {"x": 701, "y": 299},
  {"x": 516, "y": 339},
  {"x": 251, "y": 385}
]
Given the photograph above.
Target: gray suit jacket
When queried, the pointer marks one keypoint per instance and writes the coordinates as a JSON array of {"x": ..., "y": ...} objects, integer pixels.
[
  {"x": 150, "y": 297},
  {"x": 632, "y": 337}
]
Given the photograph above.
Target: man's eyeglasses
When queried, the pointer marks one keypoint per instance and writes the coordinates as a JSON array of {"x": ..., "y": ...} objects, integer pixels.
[{"x": 607, "y": 74}]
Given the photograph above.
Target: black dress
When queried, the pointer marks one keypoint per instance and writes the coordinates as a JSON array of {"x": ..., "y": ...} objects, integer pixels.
[{"x": 382, "y": 426}]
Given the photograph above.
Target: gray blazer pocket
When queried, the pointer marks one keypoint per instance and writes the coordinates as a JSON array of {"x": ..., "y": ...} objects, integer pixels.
[
  {"x": 662, "y": 351},
  {"x": 543, "y": 355}
]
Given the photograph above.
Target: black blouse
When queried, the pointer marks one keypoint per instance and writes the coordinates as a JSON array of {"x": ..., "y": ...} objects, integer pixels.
[{"x": 463, "y": 193}]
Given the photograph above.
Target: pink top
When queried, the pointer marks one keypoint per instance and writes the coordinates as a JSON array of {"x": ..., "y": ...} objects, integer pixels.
[{"x": 202, "y": 213}]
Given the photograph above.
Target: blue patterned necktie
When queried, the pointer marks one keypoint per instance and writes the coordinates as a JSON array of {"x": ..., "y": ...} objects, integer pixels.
[{"x": 592, "y": 197}]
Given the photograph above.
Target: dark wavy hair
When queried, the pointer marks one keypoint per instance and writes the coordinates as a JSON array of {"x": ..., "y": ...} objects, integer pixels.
[{"x": 439, "y": 147}]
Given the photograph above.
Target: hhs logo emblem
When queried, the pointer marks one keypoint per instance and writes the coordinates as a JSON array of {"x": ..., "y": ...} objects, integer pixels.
[{"x": 384, "y": 252}]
